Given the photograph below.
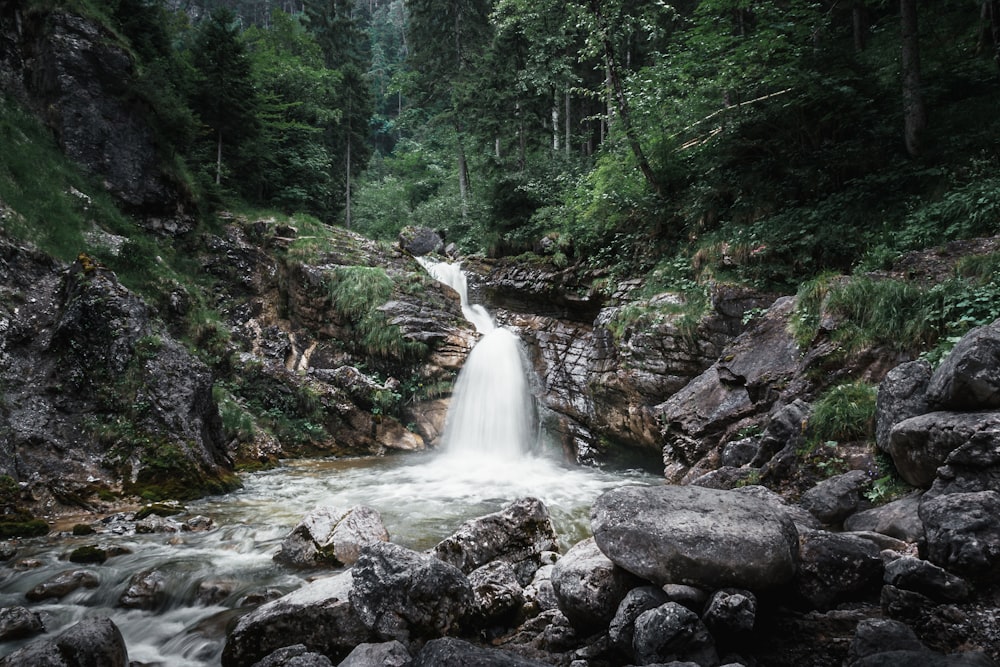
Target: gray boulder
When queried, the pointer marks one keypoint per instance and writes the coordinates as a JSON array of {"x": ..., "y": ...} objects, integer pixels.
[
  {"x": 835, "y": 568},
  {"x": 401, "y": 594},
  {"x": 899, "y": 519},
  {"x": 880, "y": 635},
  {"x": 671, "y": 633},
  {"x": 332, "y": 536},
  {"x": 969, "y": 377},
  {"x": 497, "y": 594},
  {"x": 901, "y": 395},
  {"x": 621, "y": 630},
  {"x": 973, "y": 466},
  {"x": 731, "y": 612},
  {"x": 419, "y": 241},
  {"x": 294, "y": 656},
  {"x": 920, "y": 445},
  {"x": 696, "y": 536},
  {"x": 319, "y": 616},
  {"x": 63, "y": 584},
  {"x": 146, "y": 590},
  {"x": 589, "y": 587},
  {"x": 451, "y": 652},
  {"x": 384, "y": 654},
  {"x": 963, "y": 532},
  {"x": 540, "y": 595},
  {"x": 836, "y": 498},
  {"x": 95, "y": 642},
  {"x": 921, "y": 576},
  {"x": 18, "y": 623},
  {"x": 519, "y": 534}
]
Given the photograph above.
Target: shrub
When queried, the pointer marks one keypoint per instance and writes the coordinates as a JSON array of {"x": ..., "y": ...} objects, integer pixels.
[{"x": 844, "y": 413}]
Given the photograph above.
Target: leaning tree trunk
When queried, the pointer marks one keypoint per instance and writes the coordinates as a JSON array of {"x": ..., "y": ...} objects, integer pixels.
[{"x": 914, "y": 113}]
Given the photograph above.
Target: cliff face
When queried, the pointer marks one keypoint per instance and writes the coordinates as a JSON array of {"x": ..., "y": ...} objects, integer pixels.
[{"x": 80, "y": 81}]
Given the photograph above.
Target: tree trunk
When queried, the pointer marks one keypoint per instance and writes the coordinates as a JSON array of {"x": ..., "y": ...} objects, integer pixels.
[
  {"x": 347, "y": 189},
  {"x": 218, "y": 159},
  {"x": 566, "y": 119},
  {"x": 989, "y": 37},
  {"x": 914, "y": 113},
  {"x": 859, "y": 19},
  {"x": 463, "y": 172}
]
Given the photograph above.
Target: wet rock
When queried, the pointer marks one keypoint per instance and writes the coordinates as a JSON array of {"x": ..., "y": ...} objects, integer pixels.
[
  {"x": 18, "y": 623},
  {"x": 331, "y": 536},
  {"x": 319, "y": 616},
  {"x": 540, "y": 595},
  {"x": 146, "y": 590},
  {"x": 420, "y": 241},
  {"x": 671, "y": 633},
  {"x": 294, "y": 656},
  {"x": 973, "y": 466},
  {"x": 384, "y": 654},
  {"x": 924, "y": 659},
  {"x": 89, "y": 643},
  {"x": 919, "y": 445},
  {"x": 899, "y": 519},
  {"x": 802, "y": 518},
  {"x": 214, "y": 591},
  {"x": 497, "y": 594},
  {"x": 786, "y": 428},
  {"x": 963, "y": 531},
  {"x": 731, "y": 613},
  {"x": 920, "y": 576},
  {"x": 969, "y": 377},
  {"x": 834, "y": 499},
  {"x": 63, "y": 584},
  {"x": 88, "y": 554},
  {"x": 881, "y": 635},
  {"x": 621, "y": 630},
  {"x": 451, "y": 652},
  {"x": 700, "y": 537},
  {"x": 589, "y": 587},
  {"x": 901, "y": 394},
  {"x": 835, "y": 568},
  {"x": 518, "y": 534},
  {"x": 401, "y": 594}
]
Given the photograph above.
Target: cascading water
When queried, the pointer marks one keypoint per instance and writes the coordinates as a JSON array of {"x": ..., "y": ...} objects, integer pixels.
[{"x": 491, "y": 413}]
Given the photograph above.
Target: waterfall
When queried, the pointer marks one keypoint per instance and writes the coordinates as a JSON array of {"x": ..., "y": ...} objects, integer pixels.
[{"x": 491, "y": 412}]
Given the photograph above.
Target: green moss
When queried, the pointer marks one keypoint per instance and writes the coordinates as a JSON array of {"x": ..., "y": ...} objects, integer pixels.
[
  {"x": 82, "y": 529},
  {"x": 158, "y": 509},
  {"x": 25, "y": 528},
  {"x": 88, "y": 554}
]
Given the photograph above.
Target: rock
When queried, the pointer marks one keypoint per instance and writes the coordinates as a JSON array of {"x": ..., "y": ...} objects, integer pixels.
[
  {"x": 901, "y": 394},
  {"x": 835, "y": 568},
  {"x": 146, "y": 590},
  {"x": 419, "y": 241},
  {"x": 211, "y": 592},
  {"x": 63, "y": 584},
  {"x": 785, "y": 428},
  {"x": 963, "y": 532},
  {"x": 801, "y": 517},
  {"x": 621, "y": 630},
  {"x": 880, "y": 635},
  {"x": 919, "y": 445},
  {"x": 518, "y": 534},
  {"x": 924, "y": 659},
  {"x": 972, "y": 466},
  {"x": 739, "y": 452},
  {"x": 903, "y": 605},
  {"x": 540, "y": 595},
  {"x": 899, "y": 519},
  {"x": 497, "y": 594},
  {"x": 294, "y": 656},
  {"x": 18, "y": 623},
  {"x": 968, "y": 379},
  {"x": 834, "y": 499},
  {"x": 90, "y": 643},
  {"x": 671, "y": 632},
  {"x": 700, "y": 537},
  {"x": 730, "y": 613},
  {"x": 920, "y": 576},
  {"x": 401, "y": 594},
  {"x": 451, "y": 652},
  {"x": 384, "y": 654},
  {"x": 319, "y": 616},
  {"x": 589, "y": 587},
  {"x": 332, "y": 536}
]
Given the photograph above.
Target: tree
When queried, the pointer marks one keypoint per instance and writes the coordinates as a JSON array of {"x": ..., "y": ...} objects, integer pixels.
[
  {"x": 225, "y": 98},
  {"x": 914, "y": 113}
]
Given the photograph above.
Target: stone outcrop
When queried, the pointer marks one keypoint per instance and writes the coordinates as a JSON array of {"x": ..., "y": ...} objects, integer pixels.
[
  {"x": 95, "y": 641},
  {"x": 332, "y": 536}
]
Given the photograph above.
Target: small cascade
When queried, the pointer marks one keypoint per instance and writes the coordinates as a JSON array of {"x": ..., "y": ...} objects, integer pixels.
[{"x": 491, "y": 412}]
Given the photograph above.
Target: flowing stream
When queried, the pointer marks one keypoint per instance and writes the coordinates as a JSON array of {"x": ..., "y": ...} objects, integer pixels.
[{"x": 489, "y": 456}]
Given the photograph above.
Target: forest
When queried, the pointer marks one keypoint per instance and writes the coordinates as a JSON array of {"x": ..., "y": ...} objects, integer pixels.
[{"x": 767, "y": 143}]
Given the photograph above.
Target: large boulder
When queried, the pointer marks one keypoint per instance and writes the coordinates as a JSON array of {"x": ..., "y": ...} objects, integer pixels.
[
  {"x": 90, "y": 643},
  {"x": 319, "y": 616},
  {"x": 972, "y": 466},
  {"x": 404, "y": 595},
  {"x": 19, "y": 622},
  {"x": 333, "y": 536},
  {"x": 696, "y": 536},
  {"x": 920, "y": 576},
  {"x": 836, "y": 498},
  {"x": 902, "y": 394},
  {"x": 589, "y": 587},
  {"x": 519, "y": 534},
  {"x": 920, "y": 445},
  {"x": 62, "y": 584},
  {"x": 963, "y": 532},
  {"x": 382, "y": 654},
  {"x": 673, "y": 633},
  {"x": 835, "y": 568},
  {"x": 899, "y": 518},
  {"x": 452, "y": 652},
  {"x": 621, "y": 630},
  {"x": 969, "y": 377},
  {"x": 497, "y": 594}
]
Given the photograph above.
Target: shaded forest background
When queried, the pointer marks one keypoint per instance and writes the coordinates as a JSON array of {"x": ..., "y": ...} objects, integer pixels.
[{"x": 687, "y": 142}]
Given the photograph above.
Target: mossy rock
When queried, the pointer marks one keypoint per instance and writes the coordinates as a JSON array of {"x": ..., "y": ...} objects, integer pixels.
[
  {"x": 159, "y": 509},
  {"x": 88, "y": 554},
  {"x": 26, "y": 528},
  {"x": 82, "y": 529}
]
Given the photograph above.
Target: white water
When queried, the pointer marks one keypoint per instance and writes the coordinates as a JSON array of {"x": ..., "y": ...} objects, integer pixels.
[
  {"x": 423, "y": 498},
  {"x": 451, "y": 274}
]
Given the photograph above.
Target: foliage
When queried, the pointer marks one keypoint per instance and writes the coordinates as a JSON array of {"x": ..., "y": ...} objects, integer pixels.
[
  {"x": 844, "y": 413},
  {"x": 887, "y": 485}
]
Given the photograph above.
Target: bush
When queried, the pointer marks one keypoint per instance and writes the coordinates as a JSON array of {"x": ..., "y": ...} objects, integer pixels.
[{"x": 845, "y": 413}]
